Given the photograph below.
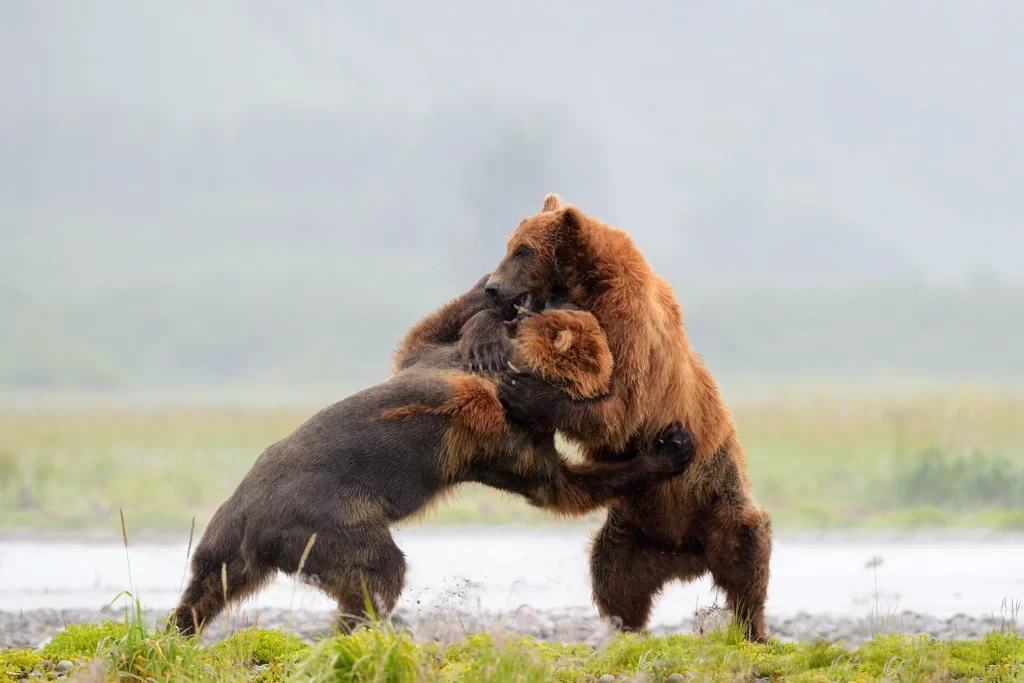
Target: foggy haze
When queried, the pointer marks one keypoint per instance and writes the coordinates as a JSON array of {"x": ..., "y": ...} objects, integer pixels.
[{"x": 255, "y": 191}]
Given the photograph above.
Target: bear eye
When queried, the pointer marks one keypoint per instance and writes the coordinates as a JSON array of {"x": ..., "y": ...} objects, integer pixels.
[{"x": 522, "y": 252}]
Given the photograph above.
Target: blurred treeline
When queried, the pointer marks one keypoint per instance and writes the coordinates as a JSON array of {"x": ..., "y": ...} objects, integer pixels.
[{"x": 213, "y": 194}]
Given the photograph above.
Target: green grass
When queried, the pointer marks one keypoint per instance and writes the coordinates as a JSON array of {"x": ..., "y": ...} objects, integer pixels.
[
  {"x": 131, "y": 650},
  {"x": 951, "y": 458}
]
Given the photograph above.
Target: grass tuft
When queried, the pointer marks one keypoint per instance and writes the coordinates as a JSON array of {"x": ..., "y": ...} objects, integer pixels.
[
  {"x": 19, "y": 663},
  {"x": 256, "y": 646},
  {"x": 82, "y": 640},
  {"x": 365, "y": 655}
]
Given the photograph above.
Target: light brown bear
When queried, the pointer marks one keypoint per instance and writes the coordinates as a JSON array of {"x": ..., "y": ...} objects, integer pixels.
[{"x": 648, "y": 538}]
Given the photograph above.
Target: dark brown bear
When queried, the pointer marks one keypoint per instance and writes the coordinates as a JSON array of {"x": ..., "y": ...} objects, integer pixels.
[
  {"x": 337, "y": 483},
  {"x": 657, "y": 379}
]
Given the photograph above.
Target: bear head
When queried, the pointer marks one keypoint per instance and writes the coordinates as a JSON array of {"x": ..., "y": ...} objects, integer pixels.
[{"x": 532, "y": 272}]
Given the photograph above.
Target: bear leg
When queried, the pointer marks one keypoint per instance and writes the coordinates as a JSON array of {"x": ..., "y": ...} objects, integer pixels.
[
  {"x": 370, "y": 570},
  {"x": 739, "y": 552},
  {"x": 216, "y": 582},
  {"x": 628, "y": 570}
]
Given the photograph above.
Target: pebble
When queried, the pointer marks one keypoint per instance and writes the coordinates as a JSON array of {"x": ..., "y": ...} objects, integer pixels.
[
  {"x": 34, "y": 627},
  {"x": 607, "y": 678},
  {"x": 675, "y": 678},
  {"x": 64, "y": 665}
]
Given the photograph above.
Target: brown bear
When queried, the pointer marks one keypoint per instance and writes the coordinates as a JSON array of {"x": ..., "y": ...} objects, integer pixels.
[
  {"x": 322, "y": 499},
  {"x": 657, "y": 379}
]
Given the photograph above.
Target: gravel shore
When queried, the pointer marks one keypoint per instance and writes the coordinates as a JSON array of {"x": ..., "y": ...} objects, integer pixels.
[{"x": 33, "y": 628}]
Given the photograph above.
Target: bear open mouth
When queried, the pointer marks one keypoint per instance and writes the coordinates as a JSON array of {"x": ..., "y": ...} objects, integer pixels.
[{"x": 525, "y": 304}]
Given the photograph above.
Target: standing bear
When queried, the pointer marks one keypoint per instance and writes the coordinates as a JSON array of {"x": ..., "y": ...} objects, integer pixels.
[{"x": 649, "y": 537}]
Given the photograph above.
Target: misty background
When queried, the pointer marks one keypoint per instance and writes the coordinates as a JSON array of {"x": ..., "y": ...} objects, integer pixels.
[{"x": 257, "y": 194}]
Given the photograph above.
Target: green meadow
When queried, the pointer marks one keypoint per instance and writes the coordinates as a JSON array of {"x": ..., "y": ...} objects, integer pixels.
[{"x": 818, "y": 460}]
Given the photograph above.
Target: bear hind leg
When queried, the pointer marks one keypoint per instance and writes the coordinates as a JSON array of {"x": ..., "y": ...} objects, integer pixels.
[
  {"x": 213, "y": 586},
  {"x": 628, "y": 571},
  {"x": 739, "y": 553},
  {"x": 364, "y": 572}
]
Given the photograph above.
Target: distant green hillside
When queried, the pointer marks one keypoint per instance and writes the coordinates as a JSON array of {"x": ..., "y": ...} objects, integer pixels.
[{"x": 145, "y": 338}]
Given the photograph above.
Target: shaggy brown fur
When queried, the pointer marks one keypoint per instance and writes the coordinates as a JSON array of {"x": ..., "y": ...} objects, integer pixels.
[
  {"x": 657, "y": 379},
  {"x": 320, "y": 501}
]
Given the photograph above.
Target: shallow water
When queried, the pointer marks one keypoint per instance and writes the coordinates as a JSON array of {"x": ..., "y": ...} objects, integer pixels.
[{"x": 500, "y": 569}]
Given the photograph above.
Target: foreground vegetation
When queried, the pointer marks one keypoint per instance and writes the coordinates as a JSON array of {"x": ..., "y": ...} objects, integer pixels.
[
  {"x": 938, "y": 459},
  {"x": 131, "y": 650}
]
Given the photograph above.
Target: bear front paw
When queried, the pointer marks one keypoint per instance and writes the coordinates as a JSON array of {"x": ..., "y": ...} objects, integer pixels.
[
  {"x": 529, "y": 399},
  {"x": 674, "y": 445},
  {"x": 484, "y": 343},
  {"x": 488, "y": 357}
]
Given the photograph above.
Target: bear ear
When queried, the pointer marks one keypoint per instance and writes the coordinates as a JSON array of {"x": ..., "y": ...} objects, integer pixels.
[
  {"x": 552, "y": 202},
  {"x": 572, "y": 221}
]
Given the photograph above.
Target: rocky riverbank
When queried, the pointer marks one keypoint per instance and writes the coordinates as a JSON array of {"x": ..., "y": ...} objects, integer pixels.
[{"x": 33, "y": 628}]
